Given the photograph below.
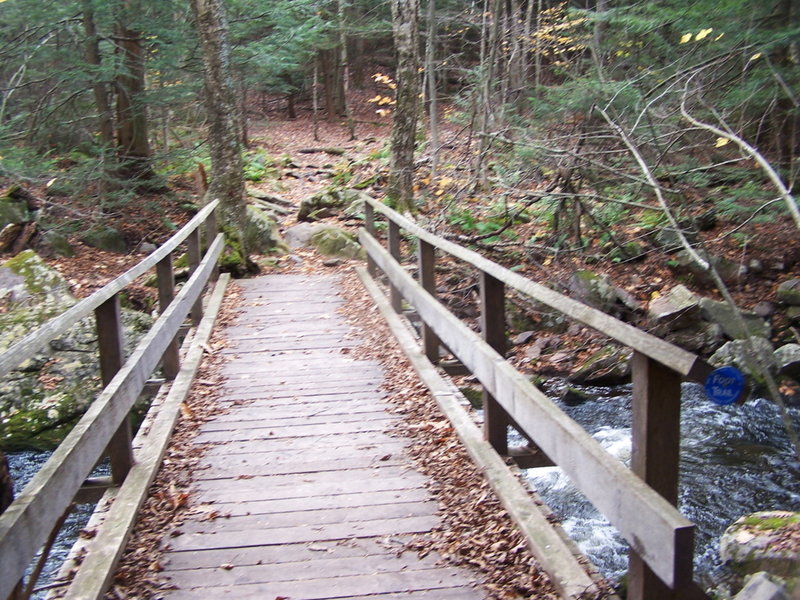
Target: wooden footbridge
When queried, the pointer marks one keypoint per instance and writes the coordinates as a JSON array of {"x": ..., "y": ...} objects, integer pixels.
[{"x": 319, "y": 498}]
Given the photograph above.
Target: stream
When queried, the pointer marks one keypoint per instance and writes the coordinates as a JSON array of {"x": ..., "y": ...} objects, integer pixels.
[
  {"x": 734, "y": 460},
  {"x": 24, "y": 466}
]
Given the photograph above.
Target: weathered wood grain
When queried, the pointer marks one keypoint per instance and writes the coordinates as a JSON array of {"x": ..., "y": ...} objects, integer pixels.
[{"x": 305, "y": 492}]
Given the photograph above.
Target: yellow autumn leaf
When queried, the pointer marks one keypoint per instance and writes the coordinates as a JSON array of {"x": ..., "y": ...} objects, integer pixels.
[
  {"x": 547, "y": 261},
  {"x": 721, "y": 141},
  {"x": 383, "y": 112},
  {"x": 719, "y": 37},
  {"x": 703, "y": 34},
  {"x": 375, "y": 99},
  {"x": 425, "y": 180},
  {"x": 655, "y": 295},
  {"x": 755, "y": 56},
  {"x": 686, "y": 37}
]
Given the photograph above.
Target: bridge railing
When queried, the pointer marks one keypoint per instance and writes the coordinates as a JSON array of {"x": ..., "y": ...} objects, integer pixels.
[
  {"x": 639, "y": 502},
  {"x": 105, "y": 428}
]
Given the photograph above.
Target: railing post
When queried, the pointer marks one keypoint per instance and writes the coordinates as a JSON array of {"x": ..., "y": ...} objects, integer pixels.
[
  {"x": 394, "y": 250},
  {"x": 369, "y": 225},
  {"x": 170, "y": 362},
  {"x": 108, "y": 320},
  {"x": 493, "y": 327},
  {"x": 655, "y": 455},
  {"x": 426, "y": 260},
  {"x": 193, "y": 252},
  {"x": 212, "y": 229}
]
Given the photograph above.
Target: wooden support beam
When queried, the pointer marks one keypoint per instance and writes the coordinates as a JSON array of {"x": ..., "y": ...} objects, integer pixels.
[
  {"x": 369, "y": 225},
  {"x": 426, "y": 262},
  {"x": 493, "y": 328},
  {"x": 394, "y": 250},
  {"x": 171, "y": 362},
  {"x": 110, "y": 341},
  {"x": 194, "y": 254},
  {"x": 655, "y": 457}
]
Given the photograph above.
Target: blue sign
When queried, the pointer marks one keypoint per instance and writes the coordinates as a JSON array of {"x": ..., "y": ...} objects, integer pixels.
[{"x": 725, "y": 385}]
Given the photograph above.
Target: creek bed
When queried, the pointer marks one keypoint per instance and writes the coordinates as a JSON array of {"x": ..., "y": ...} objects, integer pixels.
[
  {"x": 735, "y": 460},
  {"x": 24, "y": 465}
]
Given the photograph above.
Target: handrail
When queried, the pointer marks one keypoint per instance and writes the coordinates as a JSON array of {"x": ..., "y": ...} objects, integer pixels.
[
  {"x": 27, "y": 522},
  {"x": 32, "y": 343},
  {"x": 639, "y": 502},
  {"x": 685, "y": 363}
]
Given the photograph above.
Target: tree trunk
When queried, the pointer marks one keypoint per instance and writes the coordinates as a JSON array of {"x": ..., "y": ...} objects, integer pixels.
[
  {"x": 227, "y": 178},
  {"x": 404, "y": 126},
  {"x": 345, "y": 69},
  {"x": 99, "y": 88},
  {"x": 133, "y": 145},
  {"x": 430, "y": 76}
]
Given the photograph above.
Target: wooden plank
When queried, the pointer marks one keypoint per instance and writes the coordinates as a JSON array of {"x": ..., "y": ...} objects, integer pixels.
[
  {"x": 298, "y": 467},
  {"x": 31, "y": 343},
  {"x": 320, "y": 444},
  {"x": 275, "y": 433},
  {"x": 300, "y": 570},
  {"x": 335, "y": 587},
  {"x": 343, "y": 500},
  {"x": 308, "y": 486},
  {"x": 653, "y": 527},
  {"x": 103, "y": 552},
  {"x": 555, "y": 555},
  {"x": 687, "y": 364},
  {"x": 25, "y": 525},
  {"x": 310, "y": 518},
  {"x": 260, "y": 422}
]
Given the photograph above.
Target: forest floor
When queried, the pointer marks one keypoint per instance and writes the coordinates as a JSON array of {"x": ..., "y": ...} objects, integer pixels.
[{"x": 301, "y": 166}]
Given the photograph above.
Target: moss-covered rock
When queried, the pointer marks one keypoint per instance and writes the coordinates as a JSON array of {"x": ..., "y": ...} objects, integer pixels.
[
  {"x": 333, "y": 241},
  {"x": 330, "y": 202},
  {"x": 608, "y": 366},
  {"x": 105, "y": 238},
  {"x": 43, "y": 396},
  {"x": 789, "y": 292},
  {"x": 261, "y": 235},
  {"x": 724, "y": 315},
  {"x": 757, "y": 542}
]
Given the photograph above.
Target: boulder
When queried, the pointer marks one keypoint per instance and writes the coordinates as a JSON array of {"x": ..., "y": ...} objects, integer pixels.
[
  {"x": 57, "y": 243},
  {"x": 593, "y": 289},
  {"x": 789, "y": 292},
  {"x": 738, "y": 353},
  {"x": 608, "y": 366},
  {"x": 678, "y": 308},
  {"x": 668, "y": 240},
  {"x": 724, "y": 315},
  {"x": 299, "y": 236},
  {"x": 763, "y": 541},
  {"x": 333, "y": 241},
  {"x": 728, "y": 270},
  {"x": 330, "y": 202},
  {"x": 261, "y": 234},
  {"x": 787, "y": 359},
  {"x": 760, "y": 586},
  {"x": 105, "y": 238},
  {"x": 44, "y": 395},
  {"x": 698, "y": 337}
]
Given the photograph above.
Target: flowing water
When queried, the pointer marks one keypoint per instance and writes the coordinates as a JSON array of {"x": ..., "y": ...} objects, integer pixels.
[
  {"x": 24, "y": 466},
  {"x": 734, "y": 460}
]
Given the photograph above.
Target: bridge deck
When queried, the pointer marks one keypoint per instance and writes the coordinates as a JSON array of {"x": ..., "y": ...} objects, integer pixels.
[{"x": 320, "y": 495}]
